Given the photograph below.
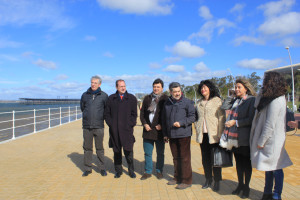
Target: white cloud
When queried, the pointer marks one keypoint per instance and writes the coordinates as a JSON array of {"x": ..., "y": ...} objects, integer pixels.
[
  {"x": 171, "y": 60},
  {"x": 283, "y": 25},
  {"x": 174, "y": 68},
  {"x": 108, "y": 54},
  {"x": 61, "y": 77},
  {"x": 90, "y": 38},
  {"x": 9, "y": 57},
  {"x": 8, "y": 43},
  {"x": 28, "y": 54},
  {"x": 238, "y": 7},
  {"x": 200, "y": 67},
  {"x": 45, "y": 64},
  {"x": 156, "y": 7},
  {"x": 257, "y": 63},
  {"x": 22, "y": 12},
  {"x": 276, "y": 7},
  {"x": 248, "y": 39},
  {"x": 154, "y": 65},
  {"x": 185, "y": 49},
  {"x": 207, "y": 29},
  {"x": 204, "y": 12}
]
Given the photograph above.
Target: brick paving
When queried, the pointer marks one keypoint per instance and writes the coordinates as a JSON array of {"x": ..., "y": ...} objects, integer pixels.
[{"x": 49, "y": 164}]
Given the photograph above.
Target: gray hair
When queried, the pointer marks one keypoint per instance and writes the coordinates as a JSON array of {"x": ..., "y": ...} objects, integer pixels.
[
  {"x": 97, "y": 77},
  {"x": 173, "y": 85}
]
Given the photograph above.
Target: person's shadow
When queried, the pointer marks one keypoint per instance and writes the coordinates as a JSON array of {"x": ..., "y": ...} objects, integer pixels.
[{"x": 226, "y": 186}]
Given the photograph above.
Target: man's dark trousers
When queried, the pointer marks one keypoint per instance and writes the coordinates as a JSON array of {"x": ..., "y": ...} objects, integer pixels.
[
  {"x": 181, "y": 152},
  {"x": 88, "y": 135},
  {"x": 118, "y": 161}
]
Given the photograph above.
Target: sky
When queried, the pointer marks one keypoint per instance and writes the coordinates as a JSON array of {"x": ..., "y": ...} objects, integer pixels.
[{"x": 51, "y": 48}]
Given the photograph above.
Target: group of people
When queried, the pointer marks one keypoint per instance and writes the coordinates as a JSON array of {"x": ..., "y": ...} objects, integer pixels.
[{"x": 249, "y": 125}]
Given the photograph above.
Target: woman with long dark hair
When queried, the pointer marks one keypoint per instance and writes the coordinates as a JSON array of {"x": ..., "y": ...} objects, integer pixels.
[
  {"x": 237, "y": 128},
  {"x": 209, "y": 128},
  {"x": 268, "y": 134}
]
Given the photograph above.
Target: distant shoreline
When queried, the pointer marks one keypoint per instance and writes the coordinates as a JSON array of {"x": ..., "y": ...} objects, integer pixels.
[{"x": 9, "y": 101}]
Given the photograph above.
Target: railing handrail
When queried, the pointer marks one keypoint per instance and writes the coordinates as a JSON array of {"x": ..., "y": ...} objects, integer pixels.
[
  {"x": 53, "y": 108},
  {"x": 35, "y": 118}
]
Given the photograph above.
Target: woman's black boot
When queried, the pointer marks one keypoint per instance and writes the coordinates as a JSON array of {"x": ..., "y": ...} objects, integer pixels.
[
  {"x": 246, "y": 191},
  {"x": 238, "y": 189},
  {"x": 207, "y": 184}
]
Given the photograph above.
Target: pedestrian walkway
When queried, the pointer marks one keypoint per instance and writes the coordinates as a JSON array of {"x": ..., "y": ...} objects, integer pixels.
[{"x": 49, "y": 164}]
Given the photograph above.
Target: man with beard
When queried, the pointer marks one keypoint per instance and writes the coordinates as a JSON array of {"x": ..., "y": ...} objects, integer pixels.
[
  {"x": 178, "y": 115},
  {"x": 151, "y": 120}
]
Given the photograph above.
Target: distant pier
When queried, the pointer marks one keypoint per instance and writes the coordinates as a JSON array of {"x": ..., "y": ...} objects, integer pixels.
[{"x": 34, "y": 101}]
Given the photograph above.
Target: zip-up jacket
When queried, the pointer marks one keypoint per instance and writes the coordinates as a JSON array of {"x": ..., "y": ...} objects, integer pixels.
[
  {"x": 182, "y": 111},
  {"x": 92, "y": 107}
]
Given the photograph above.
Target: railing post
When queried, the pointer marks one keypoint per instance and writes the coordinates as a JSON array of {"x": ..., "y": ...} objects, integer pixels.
[
  {"x": 13, "y": 125},
  {"x": 69, "y": 114},
  {"x": 34, "y": 124},
  {"x": 76, "y": 113},
  {"x": 59, "y": 115},
  {"x": 49, "y": 118}
]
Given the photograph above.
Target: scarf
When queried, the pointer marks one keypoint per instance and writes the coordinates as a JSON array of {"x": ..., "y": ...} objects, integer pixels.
[
  {"x": 155, "y": 99},
  {"x": 230, "y": 135}
]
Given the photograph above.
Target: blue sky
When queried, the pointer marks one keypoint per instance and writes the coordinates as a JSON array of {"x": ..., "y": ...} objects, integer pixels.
[{"x": 51, "y": 48}]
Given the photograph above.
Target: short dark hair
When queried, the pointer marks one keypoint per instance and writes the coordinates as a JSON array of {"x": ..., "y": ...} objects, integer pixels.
[
  {"x": 119, "y": 80},
  {"x": 173, "y": 85},
  {"x": 157, "y": 81},
  {"x": 213, "y": 90}
]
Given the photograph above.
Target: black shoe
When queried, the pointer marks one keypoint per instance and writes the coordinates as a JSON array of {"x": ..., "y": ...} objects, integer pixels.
[
  {"x": 132, "y": 175},
  {"x": 216, "y": 186},
  {"x": 118, "y": 175},
  {"x": 103, "y": 172},
  {"x": 267, "y": 197},
  {"x": 207, "y": 184},
  {"x": 86, "y": 173},
  {"x": 238, "y": 189},
  {"x": 246, "y": 191}
]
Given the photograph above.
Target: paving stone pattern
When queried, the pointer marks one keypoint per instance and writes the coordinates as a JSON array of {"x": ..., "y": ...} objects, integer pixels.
[{"x": 49, "y": 165}]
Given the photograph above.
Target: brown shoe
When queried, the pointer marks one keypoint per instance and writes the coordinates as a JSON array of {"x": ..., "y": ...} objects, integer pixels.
[
  {"x": 145, "y": 176},
  {"x": 159, "y": 175},
  {"x": 172, "y": 182},
  {"x": 183, "y": 186}
]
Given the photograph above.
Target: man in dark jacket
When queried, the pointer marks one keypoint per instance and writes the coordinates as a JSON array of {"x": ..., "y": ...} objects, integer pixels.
[
  {"x": 178, "y": 115},
  {"x": 151, "y": 119},
  {"x": 92, "y": 105},
  {"x": 120, "y": 116}
]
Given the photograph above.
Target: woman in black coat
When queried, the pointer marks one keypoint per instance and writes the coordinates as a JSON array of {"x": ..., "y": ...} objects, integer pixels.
[{"x": 238, "y": 127}]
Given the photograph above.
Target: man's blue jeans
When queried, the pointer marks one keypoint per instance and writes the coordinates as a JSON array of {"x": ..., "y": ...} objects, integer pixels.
[
  {"x": 160, "y": 151},
  {"x": 269, "y": 178}
]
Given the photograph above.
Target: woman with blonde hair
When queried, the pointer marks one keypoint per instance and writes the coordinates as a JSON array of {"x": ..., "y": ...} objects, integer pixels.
[
  {"x": 267, "y": 138},
  {"x": 237, "y": 129},
  {"x": 209, "y": 128}
]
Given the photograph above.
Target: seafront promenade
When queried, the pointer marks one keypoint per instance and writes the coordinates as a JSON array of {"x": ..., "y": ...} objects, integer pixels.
[{"x": 49, "y": 164}]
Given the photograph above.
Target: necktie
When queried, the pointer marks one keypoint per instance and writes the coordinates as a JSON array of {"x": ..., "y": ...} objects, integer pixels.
[{"x": 121, "y": 97}]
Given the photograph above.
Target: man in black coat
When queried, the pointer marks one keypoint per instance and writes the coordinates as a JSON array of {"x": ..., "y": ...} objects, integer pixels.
[
  {"x": 178, "y": 115},
  {"x": 151, "y": 119},
  {"x": 120, "y": 116},
  {"x": 92, "y": 105}
]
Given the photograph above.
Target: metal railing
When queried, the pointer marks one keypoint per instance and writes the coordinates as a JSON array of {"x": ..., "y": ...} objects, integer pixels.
[{"x": 19, "y": 123}]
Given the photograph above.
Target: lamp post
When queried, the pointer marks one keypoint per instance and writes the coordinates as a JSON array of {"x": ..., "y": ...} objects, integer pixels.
[{"x": 293, "y": 87}]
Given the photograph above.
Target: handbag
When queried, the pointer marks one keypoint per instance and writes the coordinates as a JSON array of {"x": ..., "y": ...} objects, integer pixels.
[
  {"x": 221, "y": 157},
  {"x": 289, "y": 117}
]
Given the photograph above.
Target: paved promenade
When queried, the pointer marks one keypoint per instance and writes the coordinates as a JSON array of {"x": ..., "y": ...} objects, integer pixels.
[{"x": 49, "y": 164}]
